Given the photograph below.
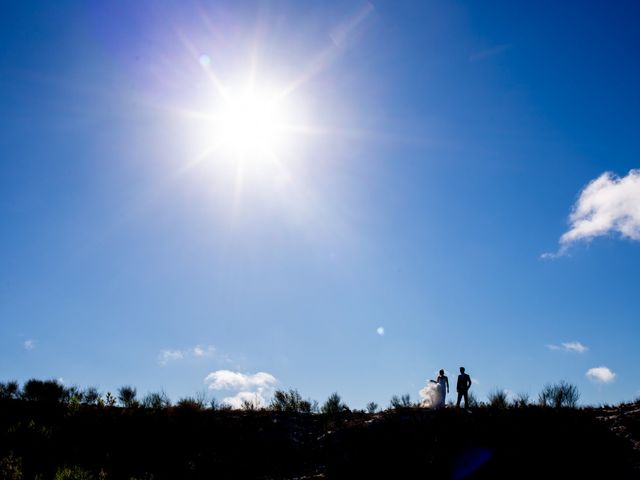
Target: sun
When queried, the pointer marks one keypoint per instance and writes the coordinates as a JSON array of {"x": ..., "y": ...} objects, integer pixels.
[{"x": 250, "y": 125}]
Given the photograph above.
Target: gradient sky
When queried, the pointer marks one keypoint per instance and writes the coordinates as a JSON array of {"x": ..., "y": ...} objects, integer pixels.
[{"x": 445, "y": 145}]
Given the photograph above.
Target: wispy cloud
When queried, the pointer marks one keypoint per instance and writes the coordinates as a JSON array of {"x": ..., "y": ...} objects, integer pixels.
[
  {"x": 29, "y": 344},
  {"x": 202, "y": 352},
  {"x": 489, "y": 52},
  {"x": 199, "y": 351},
  {"x": 607, "y": 205},
  {"x": 600, "y": 375},
  {"x": 574, "y": 347},
  {"x": 228, "y": 380}
]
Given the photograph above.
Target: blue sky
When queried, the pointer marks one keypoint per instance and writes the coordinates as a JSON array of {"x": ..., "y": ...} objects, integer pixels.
[{"x": 433, "y": 154}]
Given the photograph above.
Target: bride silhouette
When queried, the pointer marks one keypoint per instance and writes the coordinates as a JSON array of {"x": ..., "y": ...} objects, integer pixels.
[{"x": 435, "y": 392}]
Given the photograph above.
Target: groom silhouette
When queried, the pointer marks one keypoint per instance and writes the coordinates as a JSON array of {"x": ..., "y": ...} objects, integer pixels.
[{"x": 464, "y": 382}]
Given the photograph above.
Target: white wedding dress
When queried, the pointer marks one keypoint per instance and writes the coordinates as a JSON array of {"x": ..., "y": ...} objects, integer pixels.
[
  {"x": 434, "y": 393},
  {"x": 442, "y": 392}
]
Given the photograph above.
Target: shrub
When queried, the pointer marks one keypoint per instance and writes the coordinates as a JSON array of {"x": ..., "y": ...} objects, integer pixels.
[
  {"x": 9, "y": 390},
  {"x": 372, "y": 407},
  {"x": 400, "y": 402},
  {"x": 562, "y": 394},
  {"x": 334, "y": 405},
  {"x": 73, "y": 473},
  {"x": 156, "y": 401},
  {"x": 11, "y": 468},
  {"x": 498, "y": 399},
  {"x": 190, "y": 403},
  {"x": 48, "y": 391},
  {"x": 109, "y": 400},
  {"x": 127, "y": 396},
  {"x": 74, "y": 393},
  {"x": 250, "y": 405},
  {"x": 521, "y": 400},
  {"x": 91, "y": 396},
  {"x": 290, "y": 401}
]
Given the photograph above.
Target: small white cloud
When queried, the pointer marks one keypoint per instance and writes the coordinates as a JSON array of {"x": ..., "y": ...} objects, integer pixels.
[
  {"x": 600, "y": 375},
  {"x": 380, "y": 331},
  {"x": 608, "y": 204},
  {"x": 228, "y": 380},
  {"x": 574, "y": 347},
  {"x": 167, "y": 356},
  {"x": 29, "y": 344},
  {"x": 199, "y": 351}
]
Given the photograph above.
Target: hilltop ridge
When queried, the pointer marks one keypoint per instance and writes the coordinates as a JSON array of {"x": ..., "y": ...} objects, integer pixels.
[{"x": 90, "y": 442}]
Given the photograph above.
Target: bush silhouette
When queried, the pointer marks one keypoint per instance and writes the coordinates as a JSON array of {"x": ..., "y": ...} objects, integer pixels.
[
  {"x": 498, "y": 399},
  {"x": 11, "y": 468},
  {"x": 127, "y": 396},
  {"x": 191, "y": 403},
  {"x": 47, "y": 391},
  {"x": 400, "y": 402},
  {"x": 559, "y": 395},
  {"x": 91, "y": 396},
  {"x": 73, "y": 473},
  {"x": 521, "y": 400},
  {"x": 334, "y": 405},
  {"x": 372, "y": 407},
  {"x": 290, "y": 401},
  {"x": 250, "y": 405},
  {"x": 156, "y": 401},
  {"x": 9, "y": 390}
]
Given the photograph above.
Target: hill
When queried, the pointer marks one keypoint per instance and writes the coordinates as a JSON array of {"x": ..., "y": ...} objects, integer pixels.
[{"x": 86, "y": 442}]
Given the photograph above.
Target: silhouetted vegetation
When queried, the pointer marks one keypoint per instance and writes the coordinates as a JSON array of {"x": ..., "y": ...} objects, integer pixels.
[
  {"x": 47, "y": 391},
  {"x": 49, "y": 431},
  {"x": 290, "y": 401},
  {"x": 498, "y": 399},
  {"x": 372, "y": 407},
  {"x": 156, "y": 401},
  {"x": 334, "y": 405},
  {"x": 127, "y": 397},
  {"x": 9, "y": 390},
  {"x": 400, "y": 402},
  {"x": 521, "y": 400},
  {"x": 91, "y": 396},
  {"x": 561, "y": 394}
]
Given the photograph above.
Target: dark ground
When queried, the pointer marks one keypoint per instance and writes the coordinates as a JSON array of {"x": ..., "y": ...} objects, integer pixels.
[{"x": 531, "y": 442}]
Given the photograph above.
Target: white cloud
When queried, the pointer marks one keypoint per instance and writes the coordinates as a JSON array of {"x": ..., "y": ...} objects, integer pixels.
[
  {"x": 237, "y": 400},
  {"x": 600, "y": 375},
  {"x": 29, "y": 344},
  {"x": 574, "y": 347},
  {"x": 228, "y": 380},
  {"x": 199, "y": 351},
  {"x": 380, "y": 331},
  {"x": 167, "y": 356},
  {"x": 608, "y": 204}
]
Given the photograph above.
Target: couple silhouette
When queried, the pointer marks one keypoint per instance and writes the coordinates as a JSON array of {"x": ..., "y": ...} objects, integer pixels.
[{"x": 462, "y": 388}]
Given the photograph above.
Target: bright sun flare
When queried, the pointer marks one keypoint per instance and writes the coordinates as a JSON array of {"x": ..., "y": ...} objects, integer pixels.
[{"x": 250, "y": 126}]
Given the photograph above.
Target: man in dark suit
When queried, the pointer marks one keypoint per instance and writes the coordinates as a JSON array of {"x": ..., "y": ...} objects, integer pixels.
[{"x": 464, "y": 383}]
